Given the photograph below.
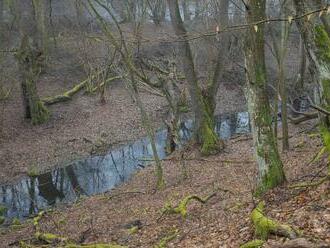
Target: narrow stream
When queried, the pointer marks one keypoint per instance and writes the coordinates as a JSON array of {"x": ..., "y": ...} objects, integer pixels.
[{"x": 98, "y": 174}]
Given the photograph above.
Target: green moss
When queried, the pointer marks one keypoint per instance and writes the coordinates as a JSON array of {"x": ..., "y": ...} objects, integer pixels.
[
  {"x": 49, "y": 237},
  {"x": 133, "y": 230},
  {"x": 2, "y": 220},
  {"x": 39, "y": 113},
  {"x": 257, "y": 243},
  {"x": 3, "y": 210},
  {"x": 322, "y": 42},
  {"x": 16, "y": 222},
  {"x": 95, "y": 246},
  {"x": 33, "y": 171},
  {"x": 163, "y": 242},
  {"x": 265, "y": 226},
  {"x": 210, "y": 141},
  {"x": 182, "y": 206},
  {"x": 275, "y": 175}
]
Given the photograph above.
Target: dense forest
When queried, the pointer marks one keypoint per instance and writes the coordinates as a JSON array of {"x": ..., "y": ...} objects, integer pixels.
[{"x": 165, "y": 123}]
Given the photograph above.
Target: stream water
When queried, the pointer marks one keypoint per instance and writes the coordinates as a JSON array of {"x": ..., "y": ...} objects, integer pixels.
[{"x": 98, "y": 174}]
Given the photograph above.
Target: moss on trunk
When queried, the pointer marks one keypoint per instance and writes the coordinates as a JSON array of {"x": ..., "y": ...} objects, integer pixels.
[{"x": 30, "y": 62}]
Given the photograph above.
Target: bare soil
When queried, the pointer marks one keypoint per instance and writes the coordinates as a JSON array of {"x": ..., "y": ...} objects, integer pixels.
[{"x": 224, "y": 221}]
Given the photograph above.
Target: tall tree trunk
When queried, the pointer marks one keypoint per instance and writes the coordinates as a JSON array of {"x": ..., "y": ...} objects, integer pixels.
[
  {"x": 186, "y": 11},
  {"x": 158, "y": 10},
  {"x": 270, "y": 169},
  {"x": 204, "y": 133},
  {"x": 317, "y": 44},
  {"x": 302, "y": 66},
  {"x": 222, "y": 49},
  {"x": 30, "y": 59},
  {"x": 40, "y": 10}
]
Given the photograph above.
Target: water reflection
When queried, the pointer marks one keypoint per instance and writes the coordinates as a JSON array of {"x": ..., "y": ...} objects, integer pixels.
[{"x": 98, "y": 174}]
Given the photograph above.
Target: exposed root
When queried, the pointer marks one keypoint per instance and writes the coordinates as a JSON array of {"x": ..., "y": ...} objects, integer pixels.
[
  {"x": 265, "y": 226},
  {"x": 257, "y": 243},
  {"x": 182, "y": 207},
  {"x": 163, "y": 242},
  {"x": 51, "y": 239},
  {"x": 310, "y": 184}
]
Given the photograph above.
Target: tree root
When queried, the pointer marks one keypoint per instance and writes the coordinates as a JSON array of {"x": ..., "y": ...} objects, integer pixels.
[
  {"x": 257, "y": 243},
  {"x": 310, "y": 184},
  {"x": 182, "y": 207},
  {"x": 265, "y": 226},
  {"x": 163, "y": 242},
  {"x": 51, "y": 239}
]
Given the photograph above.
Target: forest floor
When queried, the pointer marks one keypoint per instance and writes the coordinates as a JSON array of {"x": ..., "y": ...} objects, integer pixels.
[{"x": 223, "y": 221}]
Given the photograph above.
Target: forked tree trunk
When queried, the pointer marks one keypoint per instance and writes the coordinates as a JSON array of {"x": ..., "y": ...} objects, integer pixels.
[
  {"x": 204, "y": 133},
  {"x": 270, "y": 169}
]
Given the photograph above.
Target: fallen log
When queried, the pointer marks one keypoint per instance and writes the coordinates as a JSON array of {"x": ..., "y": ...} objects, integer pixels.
[
  {"x": 303, "y": 118},
  {"x": 70, "y": 93}
]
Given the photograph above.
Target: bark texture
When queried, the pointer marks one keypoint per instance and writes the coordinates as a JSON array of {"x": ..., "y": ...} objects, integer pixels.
[{"x": 270, "y": 169}]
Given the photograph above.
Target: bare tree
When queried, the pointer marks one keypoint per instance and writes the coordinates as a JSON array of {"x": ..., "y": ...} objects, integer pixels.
[
  {"x": 30, "y": 59},
  {"x": 204, "y": 133},
  {"x": 270, "y": 169}
]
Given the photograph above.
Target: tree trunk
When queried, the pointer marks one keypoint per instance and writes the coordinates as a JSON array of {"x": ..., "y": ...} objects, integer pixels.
[
  {"x": 302, "y": 66},
  {"x": 40, "y": 7},
  {"x": 317, "y": 44},
  {"x": 30, "y": 59},
  {"x": 204, "y": 133},
  {"x": 29, "y": 66},
  {"x": 324, "y": 18},
  {"x": 186, "y": 12},
  {"x": 270, "y": 169}
]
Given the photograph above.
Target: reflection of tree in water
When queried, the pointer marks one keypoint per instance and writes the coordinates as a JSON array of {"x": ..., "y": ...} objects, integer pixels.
[
  {"x": 121, "y": 177},
  {"x": 73, "y": 180},
  {"x": 47, "y": 189},
  {"x": 31, "y": 189}
]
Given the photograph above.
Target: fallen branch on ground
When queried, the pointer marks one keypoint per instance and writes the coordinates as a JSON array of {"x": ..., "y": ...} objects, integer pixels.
[
  {"x": 70, "y": 93},
  {"x": 265, "y": 226},
  {"x": 301, "y": 119}
]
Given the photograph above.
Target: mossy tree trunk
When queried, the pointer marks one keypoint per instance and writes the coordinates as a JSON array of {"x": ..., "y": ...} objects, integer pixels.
[
  {"x": 270, "y": 169},
  {"x": 317, "y": 44},
  {"x": 204, "y": 133},
  {"x": 30, "y": 59},
  {"x": 324, "y": 18},
  {"x": 29, "y": 65}
]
